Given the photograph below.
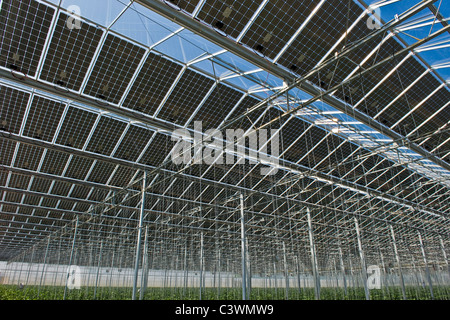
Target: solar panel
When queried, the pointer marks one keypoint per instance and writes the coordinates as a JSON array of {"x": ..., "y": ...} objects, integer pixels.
[
  {"x": 78, "y": 167},
  {"x": 61, "y": 188},
  {"x": 98, "y": 194},
  {"x": 70, "y": 53},
  {"x": 270, "y": 31},
  {"x": 51, "y": 203},
  {"x": 106, "y": 135},
  {"x": 319, "y": 35},
  {"x": 80, "y": 192},
  {"x": 122, "y": 177},
  {"x": 12, "y": 197},
  {"x": 101, "y": 172},
  {"x": 230, "y": 16},
  {"x": 14, "y": 104},
  {"x": 133, "y": 143},
  {"x": 6, "y": 152},
  {"x": 28, "y": 157},
  {"x": 158, "y": 150},
  {"x": 24, "y": 26},
  {"x": 152, "y": 84},
  {"x": 54, "y": 162},
  {"x": 113, "y": 69},
  {"x": 220, "y": 102},
  {"x": 3, "y": 179},
  {"x": 18, "y": 181},
  {"x": 43, "y": 118},
  {"x": 248, "y": 121},
  {"x": 410, "y": 99},
  {"x": 76, "y": 127},
  {"x": 186, "y": 97},
  {"x": 41, "y": 185},
  {"x": 31, "y": 200},
  {"x": 66, "y": 205}
]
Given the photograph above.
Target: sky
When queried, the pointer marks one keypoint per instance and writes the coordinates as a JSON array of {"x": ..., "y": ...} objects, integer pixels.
[{"x": 432, "y": 57}]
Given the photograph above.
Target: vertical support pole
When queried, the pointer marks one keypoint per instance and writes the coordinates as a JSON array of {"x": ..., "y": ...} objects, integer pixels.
[
  {"x": 43, "y": 268},
  {"x": 425, "y": 260},
  {"x": 144, "y": 276},
  {"x": 313, "y": 257},
  {"x": 444, "y": 254},
  {"x": 98, "y": 269},
  {"x": 286, "y": 275},
  {"x": 275, "y": 280},
  {"x": 363, "y": 260},
  {"x": 71, "y": 255},
  {"x": 249, "y": 269},
  {"x": 243, "y": 250},
  {"x": 399, "y": 266},
  {"x": 218, "y": 276},
  {"x": 341, "y": 260},
  {"x": 352, "y": 274},
  {"x": 111, "y": 268},
  {"x": 185, "y": 270},
  {"x": 201, "y": 264},
  {"x": 297, "y": 269},
  {"x": 336, "y": 273},
  {"x": 139, "y": 237},
  {"x": 30, "y": 265},
  {"x": 385, "y": 280}
]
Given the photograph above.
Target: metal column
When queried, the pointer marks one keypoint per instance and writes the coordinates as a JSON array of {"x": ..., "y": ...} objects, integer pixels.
[
  {"x": 341, "y": 260},
  {"x": 363, "y": 260},
  {"x": 286, "y": 275},
  {"x": 444, "y": 255},
  {"x": 43, "y": 268},
  {"x": 139, "y": 238},
  {"x": 243, "y": 250},
  {"x": 98, "y": 269},
  {"x": 185, "y": 282},
  {"x": 201, "y": 265},
  {"x": 425, "y": 260},
  {"x": 313, "y": 257},
  {"x": 397, "y": 258},
  {"x": 71, "y": 255},
  {"x": 144, "y": 276},
  {"x": 218, "y": 275},
  {"x": 297, "y": 269}
]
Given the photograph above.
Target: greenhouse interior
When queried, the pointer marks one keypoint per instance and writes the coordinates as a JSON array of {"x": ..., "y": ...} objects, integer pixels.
[{"x": 224, "y": 150}]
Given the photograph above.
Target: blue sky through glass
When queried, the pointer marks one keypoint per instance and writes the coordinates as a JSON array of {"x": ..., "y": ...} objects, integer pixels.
[{"x": 433, "y": 57}]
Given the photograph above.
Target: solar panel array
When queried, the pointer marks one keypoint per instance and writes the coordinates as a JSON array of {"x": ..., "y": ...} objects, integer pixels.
[{"x": 92, "y": 116}]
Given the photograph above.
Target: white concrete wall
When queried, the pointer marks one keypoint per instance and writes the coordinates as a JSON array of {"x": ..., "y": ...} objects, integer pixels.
[{"x": 35, "y": 274}]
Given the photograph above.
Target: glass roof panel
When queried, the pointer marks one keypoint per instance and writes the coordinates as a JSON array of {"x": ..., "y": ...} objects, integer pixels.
[
  {"x": 101, "y": 12},
  {"x": 143, "y": 25}
]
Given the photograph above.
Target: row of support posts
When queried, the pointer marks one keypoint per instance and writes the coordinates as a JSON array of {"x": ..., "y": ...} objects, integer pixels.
[{"x": 141, "y": 258}]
